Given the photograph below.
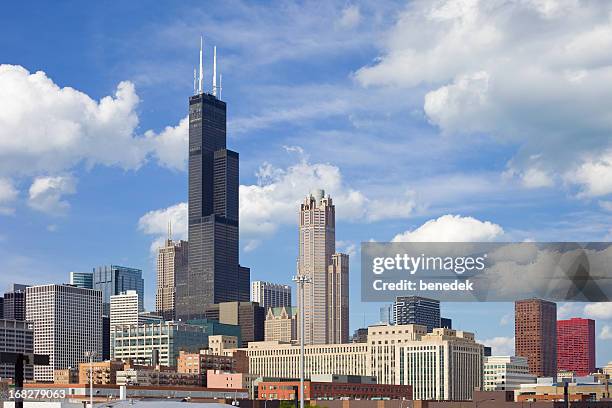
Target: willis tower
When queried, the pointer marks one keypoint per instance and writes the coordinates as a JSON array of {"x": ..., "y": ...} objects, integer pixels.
[{"x": 213, "y": 274}]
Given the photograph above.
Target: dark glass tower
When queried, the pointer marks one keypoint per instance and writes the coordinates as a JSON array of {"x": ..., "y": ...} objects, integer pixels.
[{"x": 213, "y": 275}]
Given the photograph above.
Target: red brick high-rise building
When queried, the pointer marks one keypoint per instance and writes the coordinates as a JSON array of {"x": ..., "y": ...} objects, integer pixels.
[
  {"x": 535, "y": 334},
  {"x": 576, "y": 345}
]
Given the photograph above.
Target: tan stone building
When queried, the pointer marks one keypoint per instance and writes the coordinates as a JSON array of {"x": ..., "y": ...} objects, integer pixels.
[
  {"x": 104, "y": 372},
  {"x": 171, "y": 259},
  {"x": 281, "y": 324},
  {"x": 444, "y": 364},
  {"x": 325, "y": 296}
]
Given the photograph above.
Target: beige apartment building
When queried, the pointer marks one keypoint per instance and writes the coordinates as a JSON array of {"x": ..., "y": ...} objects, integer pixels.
[
  {"x": 171, "y": 259},
  {"x": 444, "y": 364},
  {"x": 326, "y": 295},
  {"x": 281, "y": 324}
]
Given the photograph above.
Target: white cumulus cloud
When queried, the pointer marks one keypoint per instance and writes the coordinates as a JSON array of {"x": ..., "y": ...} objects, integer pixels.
[
  {"x": 156, "y": 223},
  {"x": 275, "y": 201},
  {"x": 452, "y": 228},
  {"x": 45, "y": 128},
  {"x": 533, "y": 73},
  {"x": 599, "y": 310},
  {"x": 500, "y": 346},
  {"x": 46, "y": 194},
  {"x": 606, "y": 332}
]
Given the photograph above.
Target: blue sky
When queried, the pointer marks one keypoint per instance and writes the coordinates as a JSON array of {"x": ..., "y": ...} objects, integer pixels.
[{"x": 452, "y": 120}]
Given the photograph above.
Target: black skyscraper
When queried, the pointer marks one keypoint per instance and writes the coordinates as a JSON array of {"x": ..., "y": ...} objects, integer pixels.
[
  {"x": 15, "y": 303},
  {"x": 213, "y": 275}
]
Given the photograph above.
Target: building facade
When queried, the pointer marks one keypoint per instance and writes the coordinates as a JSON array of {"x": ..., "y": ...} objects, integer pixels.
[
  {"x": 104, "y": 372},
  {"x": 16, "y": 336},
  {"x": 148, "y": 377},
  {"x": 248, "y": 315},
  {"x": 67, "y": 323},
  {"x": 417, "y": 310},
  {"x": 214, "y": 274},
  {"x": 113, "y": 279},
  {"x": 325, "y": 295},
  {"x": 536, "y": 335},
  {"x": 269, "y": 294},
  {"x": 137, "y": 342},
  {"x": 125, "y": 310},
  {"x": 576, "y": 346},
  {"x": 338, "y": 299},
  {"x": 82, "y": 279},
  {"x": 172, "y": 260},
  {"x": 331, "y": 390},
  {"x": 444, "y": 364},
  {"x": 506, "y": 373},
  {"x": 14, "y": 303},
  {"x": 281, "y": 324}
]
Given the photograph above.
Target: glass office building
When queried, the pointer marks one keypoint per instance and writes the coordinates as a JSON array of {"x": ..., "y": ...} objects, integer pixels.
[
  {"x": 114, "y": 279},
  {"x": 82, "y": 279}
]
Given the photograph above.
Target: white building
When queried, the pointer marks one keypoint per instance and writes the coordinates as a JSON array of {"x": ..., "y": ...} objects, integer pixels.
[
  {"x": 445, "y": 364},
  {"x": 270, "y": 294},
  {"x": 124, "y": 310},
  {"x": 454, "y": 359},
  {"x": 67, "y": 323},
  {"x": 506, "y": 373}
]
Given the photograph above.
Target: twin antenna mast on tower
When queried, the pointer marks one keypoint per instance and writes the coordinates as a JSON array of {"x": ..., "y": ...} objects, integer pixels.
[{"x": 199, "y": 79}]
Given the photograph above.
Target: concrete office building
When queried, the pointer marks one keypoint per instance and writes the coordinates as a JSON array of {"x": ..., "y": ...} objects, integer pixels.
[
  {"x": 172, "y": 260},
  {"x": 417, "y": 310},
  {"x": 67, "y": 323},
  {"x": 137, "y": 342},
  {"x": 326, "y": 295},
  {"x": 281, "y": 324},
  {"x": 125, "y": 310},
  {"x": 14, "y": 303},
  {"x": 576, "y": 346},
  {"x": 16, "y": 336},
  {"x": 82, "y": 279},
  {"x": 444, "y": 364},
  {"x": 536, "y": 335},
  {"x": 269, "y": 294},
  {"x": 506, "y": 373},
  {"x": 113, "y": 279},
  {"x": 214, "y": 274},
  {"x": 281, "y": 360}
]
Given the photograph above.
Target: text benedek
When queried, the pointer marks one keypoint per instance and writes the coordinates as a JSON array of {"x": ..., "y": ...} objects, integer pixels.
[{"x": 409, "y": 285}]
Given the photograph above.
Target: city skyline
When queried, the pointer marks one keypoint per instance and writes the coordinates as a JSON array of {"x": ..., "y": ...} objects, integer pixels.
[{"x": 399, "y": 159}]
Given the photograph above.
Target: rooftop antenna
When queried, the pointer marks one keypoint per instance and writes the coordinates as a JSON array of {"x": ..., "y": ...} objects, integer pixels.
[
  {"x": 201, "y": 69},
  {"x": 214, "y": 85},
  {"x": 220, "y": 85},
  {"x": 194, "y": 80},
  {"x": 169, "y": 230}
]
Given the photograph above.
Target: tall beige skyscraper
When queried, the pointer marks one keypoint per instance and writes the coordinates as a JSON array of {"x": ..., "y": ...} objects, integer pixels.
[
  {"x": 171, "y": 260},
  {"x": 326, "y": 296},
  {"x": 337, "y": 299}
]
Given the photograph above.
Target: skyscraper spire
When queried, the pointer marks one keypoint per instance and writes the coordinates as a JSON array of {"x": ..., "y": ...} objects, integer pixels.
[
  {"x": 169, "y": 230},
  {"x": 214, "y": 84},
  {"x": 220, "y": 85},
  {"x": 195, "y": 81},
  {"x": 201, "y": 68}
]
